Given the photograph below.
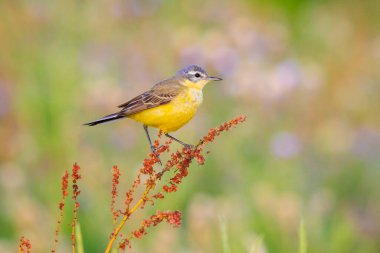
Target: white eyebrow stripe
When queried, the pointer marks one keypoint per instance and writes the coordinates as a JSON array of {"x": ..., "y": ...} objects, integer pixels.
[{"x": 194, "y": 72}]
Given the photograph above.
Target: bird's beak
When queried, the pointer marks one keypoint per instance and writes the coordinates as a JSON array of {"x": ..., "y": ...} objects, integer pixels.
[{"x": 214, "y": 78}]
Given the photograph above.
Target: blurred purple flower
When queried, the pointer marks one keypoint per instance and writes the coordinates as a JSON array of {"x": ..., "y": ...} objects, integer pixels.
[
  {"x": 225, "y": 60},
  {"x": 288, "y": 74},
  {"x": 285, "y": 145},
  {"x": 367, "y": 144}
]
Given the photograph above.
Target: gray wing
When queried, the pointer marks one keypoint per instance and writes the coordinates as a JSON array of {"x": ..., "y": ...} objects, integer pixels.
[{"x": 162, "y": 93}]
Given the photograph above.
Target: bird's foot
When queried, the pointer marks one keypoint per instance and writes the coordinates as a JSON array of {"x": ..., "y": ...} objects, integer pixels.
[{"x": 188, "y": 146}]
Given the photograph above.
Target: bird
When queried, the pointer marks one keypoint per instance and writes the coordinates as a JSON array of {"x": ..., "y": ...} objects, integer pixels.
[{"x": 168, "y": 105}]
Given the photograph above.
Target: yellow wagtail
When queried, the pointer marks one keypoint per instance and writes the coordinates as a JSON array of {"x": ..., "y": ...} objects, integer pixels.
[{"x": 168, "y": 105}]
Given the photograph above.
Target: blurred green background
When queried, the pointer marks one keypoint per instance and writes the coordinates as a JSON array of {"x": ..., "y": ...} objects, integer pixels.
[{"x": 306, "y": 73}]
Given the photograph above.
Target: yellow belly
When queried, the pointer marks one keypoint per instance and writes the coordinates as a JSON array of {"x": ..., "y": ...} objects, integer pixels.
[{"x": 175, "y": 114}]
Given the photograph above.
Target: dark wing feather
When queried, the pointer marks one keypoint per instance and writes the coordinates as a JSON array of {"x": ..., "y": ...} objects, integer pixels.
[{"x": 161, "y": 93}]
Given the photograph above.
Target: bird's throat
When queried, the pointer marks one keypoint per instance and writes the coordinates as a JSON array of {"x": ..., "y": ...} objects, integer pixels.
[{"x": 194, "y": 85}]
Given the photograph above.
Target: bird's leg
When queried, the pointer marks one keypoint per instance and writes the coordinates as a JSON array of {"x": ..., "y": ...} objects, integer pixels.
[
  {"x": 150, "y": 143},
  {"x": 188, "y": 146}
]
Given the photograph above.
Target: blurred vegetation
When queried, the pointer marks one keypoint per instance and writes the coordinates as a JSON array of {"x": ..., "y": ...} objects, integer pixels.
[{"x": 306, "y": 73}]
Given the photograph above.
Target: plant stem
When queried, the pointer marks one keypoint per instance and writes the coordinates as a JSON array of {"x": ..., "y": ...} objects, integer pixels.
[{"x": 125, "y": 218}]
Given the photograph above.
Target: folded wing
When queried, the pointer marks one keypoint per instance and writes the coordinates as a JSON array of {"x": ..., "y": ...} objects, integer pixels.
[{"x": 162, "y": 93}]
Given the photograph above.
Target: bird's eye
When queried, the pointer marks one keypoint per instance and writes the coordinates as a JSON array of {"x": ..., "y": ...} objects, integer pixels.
[{"x": 197, "y": 75}]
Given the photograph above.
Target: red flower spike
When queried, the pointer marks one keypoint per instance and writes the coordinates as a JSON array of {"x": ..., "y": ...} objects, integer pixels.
[
  {"x": 173, "y": 218},
  {"x": 65, "y": 184},
  {"x": 158, "y": 196},
  {"x": 115, "y": 182},
  {"x": 65, "y": 193},
  {"x": 75, "y": 176},
  {"x": 124, "y": 244},
  {"x": 24, "y": 246},
  {"x": 179, "y": 163}
]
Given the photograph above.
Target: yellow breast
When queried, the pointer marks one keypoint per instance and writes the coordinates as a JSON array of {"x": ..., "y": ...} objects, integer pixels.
[{"x": 174, "y": 115}]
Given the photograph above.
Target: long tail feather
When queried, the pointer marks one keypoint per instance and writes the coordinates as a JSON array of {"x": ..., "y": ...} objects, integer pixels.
[{"x": 107, "y": 118}]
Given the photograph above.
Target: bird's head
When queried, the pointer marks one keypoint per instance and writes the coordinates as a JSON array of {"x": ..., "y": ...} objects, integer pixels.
[{"x": 195, "y": 76}]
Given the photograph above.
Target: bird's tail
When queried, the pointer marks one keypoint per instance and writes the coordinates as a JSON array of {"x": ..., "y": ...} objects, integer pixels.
[{"x": 107, "y": 118}]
